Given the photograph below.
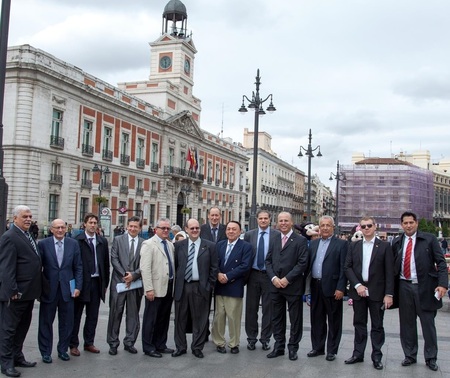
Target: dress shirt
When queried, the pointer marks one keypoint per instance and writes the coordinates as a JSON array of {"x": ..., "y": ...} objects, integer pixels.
[
  {"x": 94, "y": 242},
  {"x": 320, "y": 256},
  {"x": 195, "y": 275},
  {"x": 266, "y": 238},
  {"x": 413, "y": 261},
  {"x": 366, "y": 257}
]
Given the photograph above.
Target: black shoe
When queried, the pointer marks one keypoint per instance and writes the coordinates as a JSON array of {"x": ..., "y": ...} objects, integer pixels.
[
  {"x": 315, "y": 353},
  {"x": 353, "y": 360},
  {"x": 265, "y": 345},
  {"x": 46, "y": 359},
  {"x": 408, "y": 361},
  {"x": 132, "y": 349},
  {"x": 178, "y": 353},
  {"x": 221, "y": 349},
  {"x": 153, "y": 353},
  {"x": 378, "y": 365},
  {"x": 234, "y": 350},
  {"x": 112, "y": 351},
  {"x": 25, "y": 364},
  {"x": 293, "y": 355},
  {"x": 431, "y": 363},
  {"x": 275, "y": 353},
  {"x": 197, "y": 353},
  {"x": 251, "y": 345},
  {"x": 165, "y": 350},
  {"x": 330, "y": 357},
  {"x": 64, "y": 356},
  {"x": 11, "y": 372}
]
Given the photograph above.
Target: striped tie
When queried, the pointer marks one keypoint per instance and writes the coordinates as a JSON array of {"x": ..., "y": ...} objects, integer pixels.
[
  {"x": 30, "y": 238},
  {"x": 190, "y": 261},
  {"x": 407, "y": 261}
]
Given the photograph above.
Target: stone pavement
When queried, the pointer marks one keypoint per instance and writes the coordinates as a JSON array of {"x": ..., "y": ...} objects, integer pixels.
[{"x": 246, "y": 363}]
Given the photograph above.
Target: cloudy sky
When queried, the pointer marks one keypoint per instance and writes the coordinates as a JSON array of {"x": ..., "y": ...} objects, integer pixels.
[{"x": 366, "y": 76}]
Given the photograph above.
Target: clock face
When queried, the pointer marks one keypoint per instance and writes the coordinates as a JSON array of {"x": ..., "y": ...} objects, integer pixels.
[
  {"x": 165, "y": 62},
  {"x": 187, "y": 66}
]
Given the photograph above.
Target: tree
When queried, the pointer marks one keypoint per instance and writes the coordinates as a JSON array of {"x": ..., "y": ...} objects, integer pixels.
[{"x": 427, "y": 226}]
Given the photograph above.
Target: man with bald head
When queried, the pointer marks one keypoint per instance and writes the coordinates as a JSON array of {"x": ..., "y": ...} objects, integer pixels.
[
  {"x": 196, "y": 266},
  {"x": 63, "y": 274},
  {"x": 20, "y": 272}
]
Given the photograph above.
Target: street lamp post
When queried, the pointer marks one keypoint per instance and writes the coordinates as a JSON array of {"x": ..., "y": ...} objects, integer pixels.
[
  {"x": 309, "y": 152},
  {"x": 103, "y": 172},
  {"x": 339, "y": 176},
  {"x": 186, "y": 189},
  {"x": 256, "y": 104}
]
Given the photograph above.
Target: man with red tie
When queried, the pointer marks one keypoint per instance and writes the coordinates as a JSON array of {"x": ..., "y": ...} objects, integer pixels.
[{"x": 422, "y": 270}]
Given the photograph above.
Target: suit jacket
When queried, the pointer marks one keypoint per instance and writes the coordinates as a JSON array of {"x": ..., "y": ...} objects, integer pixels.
[
  {"x": 207, "y": 262},
  {"x": 120, "y": 260},
  {"x": 381, "y": 270},
  {"x": 206, "y": 233},
  {"x": 71, "y": 268},
  {"x": 20, "y": 267},
  {"x": 155, "y": 266},
  {"x": 291, "y": 262},
  {"x": 430, "y": 266},
  {"x": 102, "y": 252},
  {"x": 237, "y": 267},
  {"x": 333, "y": 274},
  {"x": 252, "y": 237}
]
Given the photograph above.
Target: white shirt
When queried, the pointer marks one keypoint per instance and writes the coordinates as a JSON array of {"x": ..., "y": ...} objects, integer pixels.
[
  {"x": 366, "y": 257},
  {"x": 413, "y": 261}
]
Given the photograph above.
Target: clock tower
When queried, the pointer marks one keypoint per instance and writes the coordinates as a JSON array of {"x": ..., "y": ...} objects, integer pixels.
[{"x": 171, "y": 66}]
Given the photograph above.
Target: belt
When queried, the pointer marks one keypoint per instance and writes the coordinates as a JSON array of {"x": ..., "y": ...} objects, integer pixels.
[
  {"x": 414, "y": 282},
  {"x": 259, "y": 271},
  {"x": 317, "y": 279},
  {"x": 192, "y": 281}
]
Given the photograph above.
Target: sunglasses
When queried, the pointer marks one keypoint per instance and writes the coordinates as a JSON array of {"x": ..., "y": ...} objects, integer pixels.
[
  {"x": 164, "y": 228},
  {"x": 363, "y": 226},
  {"x": 194, "y": 228}
]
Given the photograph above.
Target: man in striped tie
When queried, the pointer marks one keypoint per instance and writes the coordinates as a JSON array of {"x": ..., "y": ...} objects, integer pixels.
[{"x": 196, "y": 266}]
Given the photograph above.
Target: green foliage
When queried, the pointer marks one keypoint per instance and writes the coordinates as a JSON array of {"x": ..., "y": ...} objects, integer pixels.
[
  {"x": 427, "y": 226},
  {"x": 445, "y": 231},
  {"x": 101, "y": 200}
]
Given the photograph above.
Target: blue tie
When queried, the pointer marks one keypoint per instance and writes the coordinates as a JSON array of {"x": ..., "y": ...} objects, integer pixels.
[
  {"x": 228, "y": 253},
  {"x": 168, "y": 259},
  {"x": 260, "y": 258}
]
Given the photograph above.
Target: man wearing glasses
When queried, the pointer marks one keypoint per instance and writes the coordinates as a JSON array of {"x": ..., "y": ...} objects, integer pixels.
[
  {"x": 370, "y": 269},
  {"x": 196, "y": 265},
  {"x": 157, "y": 271}
]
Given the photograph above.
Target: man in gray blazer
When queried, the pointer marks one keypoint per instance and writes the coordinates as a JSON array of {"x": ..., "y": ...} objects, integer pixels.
[
  {"x": 125, "y": 260},
  {"x": 258, "y": 284}
]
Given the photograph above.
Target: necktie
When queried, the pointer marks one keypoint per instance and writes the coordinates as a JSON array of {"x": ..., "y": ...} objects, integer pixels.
[
  {"x": 214, "y": 234},
  {"x": 59, "y": 252},
  {"x": 131, "y": 253},
  {"x": 407, "y": 261},
  {"x": 30, "y": 238},
  {"x": 91, "y": 245},
  {"x": 283, "y": 241},
  {"x": 227, "y": 254},
  {"x": 260, "y": 258},
  {"x": 190, "y": 261},
  {"x": 168, "y": 259}
]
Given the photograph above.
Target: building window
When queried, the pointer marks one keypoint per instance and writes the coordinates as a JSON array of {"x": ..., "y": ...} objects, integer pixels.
[
  {"x": 55, "y": 175},
  {"x": 87, "y": 148},
  {"x": 138, "y": 209},
  {"x": 201, "y": 166},
  {"x": 125, "y": 143},
  {"x": 107, "y": 144},
  {"x": 154, "y": 152},
  {"x": 84, "y": 208},
  {"x": 152, "y": 214},
  {"x": 183, "y": 160},
  {"x": 171, "y": 156},
  {"x": 56, "y": 140},
  {"x": 122, "y": 217},
  {"x": 53, "y": 207},
  {"x": 141, "y": 148}
]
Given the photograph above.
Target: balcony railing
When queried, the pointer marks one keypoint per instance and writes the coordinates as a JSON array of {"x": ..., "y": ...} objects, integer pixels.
[
  {"x": 56, "y": 179},
  {"x": 154, "y": 167},
  {"x": 124, "y": 159},
  {"x": 107, "y": 155},
  {"x": 106, "y": 186},
  {"x": 217, "y": 182},
  {"x": 200, "y": 198},
  {"x": 56, "y": 142},
  {"x": 224, "y": 184},
  {"x": 209, "y": 180},
  {"x": 231, "y": 185},
  {"x": 86, "y": 184},
  {"x": 139, "y": 191},
  {"x": 87, "y": 150},
  {"x": 182, "y": 172},
  {"x": 208, "y": 201},
  {"x": 241, "y": 188},
  {"x": 140, "y": 163},
  {"x": 153, "y": 193},
  {"x": 123, "y": 189}
]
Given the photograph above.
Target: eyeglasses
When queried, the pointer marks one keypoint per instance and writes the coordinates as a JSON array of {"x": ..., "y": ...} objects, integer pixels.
[
  {"x": 363, "y": 226},
  {"x": 194, "y": 228},
  {"x": 164, "y": 228},
  {"x": 59, "y": 227}
]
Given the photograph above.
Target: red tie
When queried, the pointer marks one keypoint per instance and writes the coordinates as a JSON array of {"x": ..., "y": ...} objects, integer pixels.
[{"x": 407, "y": 261}]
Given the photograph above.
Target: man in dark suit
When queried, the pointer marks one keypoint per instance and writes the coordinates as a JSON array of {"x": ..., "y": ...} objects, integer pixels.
[
  {"x": 213, "y": 230},
  {"x": 328, "y": 283},
  {"x": 61, "y": 264},
  {"x": 422, "y": 270},
  {"x": 258, "y": 284},
  {"x": 20, "y": 285},
  {"x": 95, "y": 258},
  {"x": 286, "y": 264},
  {"x": 196, "y": 265},
  {"x": 370, "y": 269},
  {"x": 125, "y": 260},
  {"x": 235, "y": 257},
  {"x": 157, "y": 269}
]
